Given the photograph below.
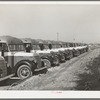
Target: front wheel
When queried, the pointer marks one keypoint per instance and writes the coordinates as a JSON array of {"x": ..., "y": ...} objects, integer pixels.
[
  {"x": 62, "y": 58},
  {"x": 47, "y": 63},
  {"x": 24, "y": 71}
]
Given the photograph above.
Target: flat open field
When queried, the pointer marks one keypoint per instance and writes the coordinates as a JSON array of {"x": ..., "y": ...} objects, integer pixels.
[{"x": 79, "y": 73}]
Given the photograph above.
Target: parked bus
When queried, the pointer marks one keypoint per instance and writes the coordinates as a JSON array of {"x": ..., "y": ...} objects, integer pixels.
[
  {"x": 19, "y": 62},
  {"x": 82, "y": 48},
  {"x": 46, "y": 49},
  {"x": 54, "y": 47},
  {"x": 41, "y": 48},
  {"x": 65, "y": 50},
  {"x": 73, "y": 47}
]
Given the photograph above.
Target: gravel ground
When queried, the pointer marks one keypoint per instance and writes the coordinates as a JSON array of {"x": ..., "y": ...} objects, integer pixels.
[{"x": 79, "y": 73}]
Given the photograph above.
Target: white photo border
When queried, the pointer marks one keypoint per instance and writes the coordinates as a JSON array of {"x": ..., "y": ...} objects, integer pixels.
[{"x": 49, "y": 94}]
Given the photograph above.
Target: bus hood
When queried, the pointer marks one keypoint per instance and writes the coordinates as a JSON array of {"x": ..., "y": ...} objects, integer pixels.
[
  {"x": 19, "y": 54},
  {"x": 71, "y": 48},
  {"x": 80, "y": 47},
  {"x": 54, "y": 50},
  {"x": 61, "y": 49},
  {"x": 39, "y": 51}
]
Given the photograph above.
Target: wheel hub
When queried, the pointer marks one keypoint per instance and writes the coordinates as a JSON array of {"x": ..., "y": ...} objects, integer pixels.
[{"x": 24, "y": 72}]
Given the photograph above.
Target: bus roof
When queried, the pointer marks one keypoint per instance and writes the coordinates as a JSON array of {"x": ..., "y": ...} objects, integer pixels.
[
  {"x": 10, "y": 40},
  {"x": 29, "y": 40},
  {"x": 3, "y": 41},
  {"x": 42, "y": 41},
  {"x": 24, "y": 40}
]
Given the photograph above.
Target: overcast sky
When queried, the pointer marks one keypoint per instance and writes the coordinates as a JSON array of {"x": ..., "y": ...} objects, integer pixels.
[{"x": 79, "y": 23}]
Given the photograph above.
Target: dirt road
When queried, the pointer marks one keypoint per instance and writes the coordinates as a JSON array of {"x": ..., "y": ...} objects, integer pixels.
[{"x": 78, "y": 73}]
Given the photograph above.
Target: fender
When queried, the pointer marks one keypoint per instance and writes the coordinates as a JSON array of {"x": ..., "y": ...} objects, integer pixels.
[
  {"x": 48, "y": 58},
  {"x": 52, "y": 53},
  {"x": 45, "y": 57},
  {"x": 56, "y": 55},
  {"x": 30, "y": 63}
]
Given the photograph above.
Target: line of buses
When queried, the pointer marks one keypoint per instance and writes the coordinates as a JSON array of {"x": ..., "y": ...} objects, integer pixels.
[{"x": 23, "y": 56}]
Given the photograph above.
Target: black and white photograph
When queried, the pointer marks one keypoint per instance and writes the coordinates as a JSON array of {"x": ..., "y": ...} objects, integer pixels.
[{"x": 50, "y": 46}]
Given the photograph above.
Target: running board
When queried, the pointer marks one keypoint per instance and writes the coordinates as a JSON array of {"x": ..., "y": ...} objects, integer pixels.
[
  {"x": 6, "y": 77},
  {"x": 40, "y": 69}
]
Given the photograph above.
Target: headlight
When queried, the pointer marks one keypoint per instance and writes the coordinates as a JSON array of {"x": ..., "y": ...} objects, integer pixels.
[
  {"x": 34, "y": 61},
  {"x": 52, "y": 56},
  {"x": 45, "y": 64}
]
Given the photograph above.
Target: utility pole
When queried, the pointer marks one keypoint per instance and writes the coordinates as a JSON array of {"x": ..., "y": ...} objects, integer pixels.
[
  {"x": 73, "y": 41},
  {"x": 57, "y": 36}
]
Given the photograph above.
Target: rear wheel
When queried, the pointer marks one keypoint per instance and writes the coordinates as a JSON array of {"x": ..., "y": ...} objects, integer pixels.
[
  {"x": 47, "y": 63},
  {"x": 24, "y": 71}
]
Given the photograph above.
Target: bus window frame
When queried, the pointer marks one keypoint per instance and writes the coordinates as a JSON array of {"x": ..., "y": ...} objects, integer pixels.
[{"x": 17, "y": 47}]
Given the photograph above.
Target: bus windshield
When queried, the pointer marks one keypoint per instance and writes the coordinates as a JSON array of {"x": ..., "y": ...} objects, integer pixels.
[
  {"x": 71, "y": 45},
  {"x": 3, "y": 46},
  {"x": 58, "y": 46},
  {"x": 16, "y": 47},
  {"x": 64, "y": 45},
  {"x": 36, "y": 47},
  {"x": 46, "y": 47},
  {"x": 54, "y": 46}
]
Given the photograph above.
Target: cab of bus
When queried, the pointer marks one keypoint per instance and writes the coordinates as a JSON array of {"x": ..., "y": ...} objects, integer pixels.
[
  {"x": 69, "y": 50},
  {"x": 47, "y": 48},
  {"x": 66, "y": 50},
  {"x": 54, "y": 47},
  {"x": 45, "y": 52},
  {"x": 73, "y": 48},
  {"x": 41, "y": 47},
  {"x": 22, "y": 63}
]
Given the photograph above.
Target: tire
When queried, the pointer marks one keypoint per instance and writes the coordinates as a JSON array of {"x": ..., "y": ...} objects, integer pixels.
[
  {"x": 63, "y": 58},
  {"x": 70, "y": 55},
  {"x": 24, "y": 71},
  {"x": 78, "y": 53},
  {"x": 56, "y": 61},
  {"x": 67, "y": 57},
  {"x": 47, "y": 63}
]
